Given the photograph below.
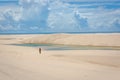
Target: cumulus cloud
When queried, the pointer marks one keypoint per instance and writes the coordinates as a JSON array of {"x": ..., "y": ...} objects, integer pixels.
[
  {"x": 34, "y": 12},
  {"x": 27, "y": 14},
  {"x": 9, "y": 20},
  {"x": 64, "y": 18},
  {"x": 101, "y": 18},
  {"x": 60, "y": 15}
]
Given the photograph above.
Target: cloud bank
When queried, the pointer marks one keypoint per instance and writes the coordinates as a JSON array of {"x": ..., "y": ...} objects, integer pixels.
[{"x": 60, "y": 16}]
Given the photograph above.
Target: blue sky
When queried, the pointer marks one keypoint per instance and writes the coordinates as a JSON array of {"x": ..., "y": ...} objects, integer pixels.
[{"x": 20, "y": 16}]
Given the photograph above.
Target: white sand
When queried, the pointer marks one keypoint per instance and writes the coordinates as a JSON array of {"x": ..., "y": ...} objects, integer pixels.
[
  {"x": 78, "y": 39},
  {"x": 25, "y": 63}
]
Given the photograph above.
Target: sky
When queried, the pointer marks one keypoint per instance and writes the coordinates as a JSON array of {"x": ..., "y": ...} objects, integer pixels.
[{"x": 35, "y": 16}]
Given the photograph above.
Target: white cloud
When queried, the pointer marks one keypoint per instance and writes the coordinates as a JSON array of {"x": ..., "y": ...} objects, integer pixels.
[
  {"x": 89, "y": 0},
  {"x": 34, "y": 28},
  {"x": 59, "y": 15},
  {"x": 94, "y": 4},
  {"x": 100, "y": 17},
  {"x": 8, "y": 27}
]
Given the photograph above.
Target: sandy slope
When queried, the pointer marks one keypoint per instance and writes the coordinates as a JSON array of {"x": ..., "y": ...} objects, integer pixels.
[
  {"x": 25, "y": 63},
  {"x": 78, "y": 39}
]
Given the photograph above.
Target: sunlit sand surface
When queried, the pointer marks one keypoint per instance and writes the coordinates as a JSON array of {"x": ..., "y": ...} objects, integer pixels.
[{"x": 25, "y": 63}]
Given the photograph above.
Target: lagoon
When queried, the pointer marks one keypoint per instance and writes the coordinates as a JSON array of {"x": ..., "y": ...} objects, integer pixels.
[{"x": 69, "y": 47}]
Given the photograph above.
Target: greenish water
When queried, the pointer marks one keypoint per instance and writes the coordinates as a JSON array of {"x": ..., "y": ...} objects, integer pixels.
[{"x": 66, "y": 47}]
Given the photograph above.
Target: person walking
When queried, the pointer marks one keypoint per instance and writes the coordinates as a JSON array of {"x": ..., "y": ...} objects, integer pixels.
[{"x": 40, "y": 50}]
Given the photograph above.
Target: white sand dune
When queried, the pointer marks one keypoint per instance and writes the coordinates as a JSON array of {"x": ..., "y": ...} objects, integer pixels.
[
  {"x": 78, "y": 39},
  {"x": 25, "y": 63}
]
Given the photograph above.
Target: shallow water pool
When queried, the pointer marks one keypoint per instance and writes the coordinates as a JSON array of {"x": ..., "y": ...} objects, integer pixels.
[{"x": 67, "y": 47}]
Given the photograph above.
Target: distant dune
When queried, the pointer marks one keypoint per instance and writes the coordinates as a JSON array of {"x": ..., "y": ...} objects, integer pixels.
[{"x": 76, "y": 39}]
